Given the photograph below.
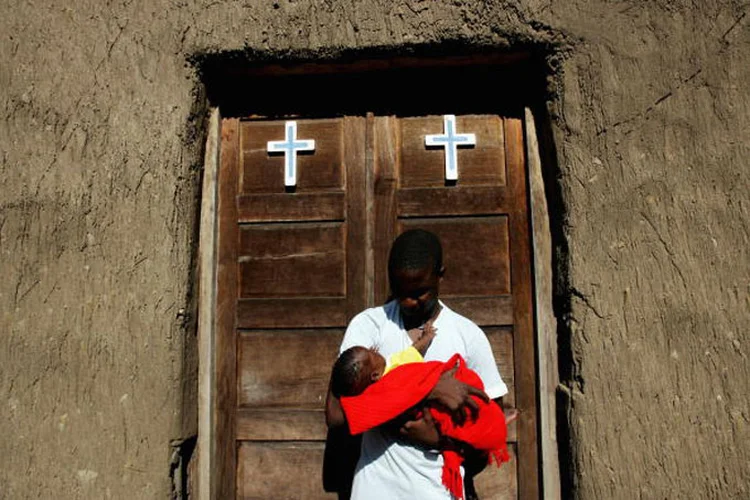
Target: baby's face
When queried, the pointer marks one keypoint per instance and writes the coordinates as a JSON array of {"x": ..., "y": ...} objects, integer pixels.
[{"x": 376, "y": 364}]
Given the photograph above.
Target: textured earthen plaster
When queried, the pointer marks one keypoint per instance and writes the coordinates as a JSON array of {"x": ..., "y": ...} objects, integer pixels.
[{"x": 101, "y": 139}]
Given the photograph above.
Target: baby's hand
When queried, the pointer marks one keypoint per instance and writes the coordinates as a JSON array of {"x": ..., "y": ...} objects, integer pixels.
[
  {"x": 425, "y": 339},
  {"x": 414, "y": 334}
]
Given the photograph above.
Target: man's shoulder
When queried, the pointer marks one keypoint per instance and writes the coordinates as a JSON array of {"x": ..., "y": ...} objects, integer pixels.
[
  {"x": 460, "y": 320},
  {"x": 366, "y": 328},
  {"x": 373, "y": 315}
]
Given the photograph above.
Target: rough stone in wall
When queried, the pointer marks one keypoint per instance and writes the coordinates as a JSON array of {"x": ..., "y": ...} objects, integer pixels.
[{"x": 101, "y": 136}]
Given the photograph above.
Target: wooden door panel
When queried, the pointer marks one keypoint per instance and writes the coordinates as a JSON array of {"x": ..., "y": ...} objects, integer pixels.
[
  {"x": 323, "y": 312},
  {"x": 293, "y": 260},
  {"x": 475, "y": 253},
  {"x": 297, "y": 255},
  {"x": 324, "y": 206},
  {"x": 280, "y": 470},
  {"x": 501, "y": 340},
  {"x": 320, "y": 170},
  {"x": 482, "y": 221},
  {"x": 284, "y": 240},
  {"x": 483, "y": 164},
  {"x": 458, "y": 200},
  {"x": 285, "y": 367},
  {"x": 499, "y": 483},
  {"x": 484, "y": 311},
  {"x": 304, "y": 260},
  {"x": 304, "y": 275},
  {"x": 281, "y": 425}
]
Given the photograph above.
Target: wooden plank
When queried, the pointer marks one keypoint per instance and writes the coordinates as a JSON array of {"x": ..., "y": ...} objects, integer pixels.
[
  {"x": 322, "y": 206},
  {"x": 283, "y": 240},
  {"x": 525, "y": 372},
  {"x": 458, "y": 200},
  {"x": 386, "y": 147},
  {"x": 296, "y": 425},
  {"x": 483, "y": 164},
  {"x": 501, "y": 341},
  {"x": 475, "y": 253},
  {"x": 370, "y": 214},
  {"x": 500, "y": 483},
  {"x": 276, "y": 424},
  {"x": 280, "y": 470},
  {"x": 315, "y": 312},
  {"x": 484, "y": 311},
  {"x": 226, "y": 297},
  {"x": 357, "y": 238},
  {"x": 294, "y": 276},
  {"x": 292, "y": 260},
  {"x": 203, "y": 456},
  {"x": 287, "y": 368},
  {"x": 322, "y": 169},
  {"x": 281, "y": 425},
  {"x": 546, "y": 327}
]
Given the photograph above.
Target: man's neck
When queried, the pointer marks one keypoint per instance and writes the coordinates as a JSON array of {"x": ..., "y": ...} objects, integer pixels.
[{"x": 409, "y": 324}]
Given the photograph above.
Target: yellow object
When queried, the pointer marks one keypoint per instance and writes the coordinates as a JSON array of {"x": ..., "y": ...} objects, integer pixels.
[{"x": 408, "y": 355}]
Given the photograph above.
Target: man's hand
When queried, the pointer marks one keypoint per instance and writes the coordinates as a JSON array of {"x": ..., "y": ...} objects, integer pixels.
[
  {"x": 454, "y": 396},
  {"x": 422, "y": 431}
]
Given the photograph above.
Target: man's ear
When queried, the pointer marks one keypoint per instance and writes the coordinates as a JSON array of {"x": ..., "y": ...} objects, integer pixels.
[{"x": 441, "y": 272}]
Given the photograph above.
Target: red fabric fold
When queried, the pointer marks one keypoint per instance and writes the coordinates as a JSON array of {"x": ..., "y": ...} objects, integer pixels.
[{"x": 406, "y": 386}]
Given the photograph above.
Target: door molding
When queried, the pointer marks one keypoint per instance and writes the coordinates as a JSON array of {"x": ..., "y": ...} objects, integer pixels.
[
  {"x": 546, "y": 322},
  {"x": 207, "y": 247}
]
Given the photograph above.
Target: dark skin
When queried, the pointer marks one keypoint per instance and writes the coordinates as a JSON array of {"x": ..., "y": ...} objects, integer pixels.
[{"x": 417, "y": 293}]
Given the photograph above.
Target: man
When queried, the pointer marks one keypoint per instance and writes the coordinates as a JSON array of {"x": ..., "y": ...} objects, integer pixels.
[{"x": 406, "y": 463}]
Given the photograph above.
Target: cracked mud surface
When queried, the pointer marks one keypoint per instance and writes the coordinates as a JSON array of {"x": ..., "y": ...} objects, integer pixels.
[{"x": 101, "y": 139}]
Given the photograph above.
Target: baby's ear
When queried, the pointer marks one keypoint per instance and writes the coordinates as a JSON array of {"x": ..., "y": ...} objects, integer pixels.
[{"x": 374, "y": 376}]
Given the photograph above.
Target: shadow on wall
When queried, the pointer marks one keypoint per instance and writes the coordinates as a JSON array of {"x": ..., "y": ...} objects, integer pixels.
[{"x": 370, "y": 82}]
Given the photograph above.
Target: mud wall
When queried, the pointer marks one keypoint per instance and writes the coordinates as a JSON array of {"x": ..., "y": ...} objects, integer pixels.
[{"x": 101, "y": 136}]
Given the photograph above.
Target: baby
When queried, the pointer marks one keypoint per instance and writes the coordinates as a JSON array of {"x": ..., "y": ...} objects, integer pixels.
[
  {"x": 399, "y": 397},
  {"x": 358, "y": 367}
]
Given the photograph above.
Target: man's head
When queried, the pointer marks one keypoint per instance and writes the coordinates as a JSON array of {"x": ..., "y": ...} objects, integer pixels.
[
  {"x": 355, "y": 369},
  {"x": 415, "y": 269}
]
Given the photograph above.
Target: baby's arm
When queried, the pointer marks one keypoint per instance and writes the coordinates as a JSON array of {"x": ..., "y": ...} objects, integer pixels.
[{"x": 424, "y": 338}]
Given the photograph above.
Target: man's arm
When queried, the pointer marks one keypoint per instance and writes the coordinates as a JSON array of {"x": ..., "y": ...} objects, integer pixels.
[
  {"x": 454, "y": 395},
  {"x": 334, "y": 413},
  {"x": 448, "y": 392},
  {"x": 475, "y": 461},
  {"x": 423, "y": 431}
]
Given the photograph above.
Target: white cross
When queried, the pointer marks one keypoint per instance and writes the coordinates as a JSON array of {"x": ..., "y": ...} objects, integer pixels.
[
  {"x": 289, "y": 146},
  {"x": 450, "y": 140}
]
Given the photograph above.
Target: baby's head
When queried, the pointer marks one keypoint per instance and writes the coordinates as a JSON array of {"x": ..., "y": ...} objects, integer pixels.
[{"x": 355, "y": 370}]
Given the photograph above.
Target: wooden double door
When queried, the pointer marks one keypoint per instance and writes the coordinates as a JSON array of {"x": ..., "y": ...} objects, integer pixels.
[{"x": 296, "y": 264}]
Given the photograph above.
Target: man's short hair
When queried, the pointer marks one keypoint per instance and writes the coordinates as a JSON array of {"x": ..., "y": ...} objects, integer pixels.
[{"x": 415, "y": 249}]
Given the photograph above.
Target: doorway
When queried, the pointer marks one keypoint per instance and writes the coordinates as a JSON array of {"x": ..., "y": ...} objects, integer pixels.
[{"x": 295, "y": 263}]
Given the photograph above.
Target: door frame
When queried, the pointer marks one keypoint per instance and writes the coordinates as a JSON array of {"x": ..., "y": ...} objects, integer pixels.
[
  {"x": 208, "y": 484},
  {"x": 207, "y": 291}
]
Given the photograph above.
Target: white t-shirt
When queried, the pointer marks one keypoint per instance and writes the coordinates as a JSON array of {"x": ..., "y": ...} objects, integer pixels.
[{"x": 390, "y": 468}]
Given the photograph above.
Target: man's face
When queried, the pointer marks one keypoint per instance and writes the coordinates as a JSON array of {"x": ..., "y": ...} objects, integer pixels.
[{"x": 417, "y": 293}]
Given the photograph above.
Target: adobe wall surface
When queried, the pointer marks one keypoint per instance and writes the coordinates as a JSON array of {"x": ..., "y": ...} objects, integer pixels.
[{"x": 101, "y": 136}]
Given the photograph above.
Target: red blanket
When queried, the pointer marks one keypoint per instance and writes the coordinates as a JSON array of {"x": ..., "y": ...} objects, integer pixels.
[{"x": 406, "y": 386}]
